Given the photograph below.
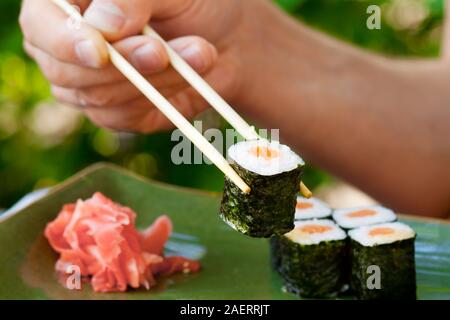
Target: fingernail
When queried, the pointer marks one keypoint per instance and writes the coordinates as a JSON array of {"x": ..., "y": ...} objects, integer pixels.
[
  {"x": 147, "y": 58},
  {"x": 193, "y": 55},
  {"x": 105, "y": 16},
  {"x": 88, "y": 54}
]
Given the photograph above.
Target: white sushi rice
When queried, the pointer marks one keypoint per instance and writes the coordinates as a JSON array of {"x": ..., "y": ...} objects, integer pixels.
[
  {"x": 285, "y": 161},
  {"x": 332, "y": 233},
  {"x": 400, "y": 232},
  {"x": 344, "y": 219},
  {"x": 318, "y": 209}
]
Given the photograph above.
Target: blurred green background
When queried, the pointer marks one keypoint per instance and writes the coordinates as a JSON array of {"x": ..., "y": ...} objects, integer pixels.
[{"x": 42, "y": 143}]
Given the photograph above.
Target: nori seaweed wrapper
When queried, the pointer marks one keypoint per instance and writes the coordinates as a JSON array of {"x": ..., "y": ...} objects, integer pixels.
[
  {"x": 275, "y": 258},
  {"x": 313, "y": 271},
  {"x": 397, "y": 267},
  {"x": 268, "y": 209}
]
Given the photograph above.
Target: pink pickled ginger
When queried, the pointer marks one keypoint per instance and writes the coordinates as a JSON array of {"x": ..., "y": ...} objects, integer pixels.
[{"x": 100, "y": 237}]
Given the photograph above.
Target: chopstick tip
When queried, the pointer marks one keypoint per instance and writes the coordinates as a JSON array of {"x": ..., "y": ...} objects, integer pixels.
[{"x": 305, "y": 191}]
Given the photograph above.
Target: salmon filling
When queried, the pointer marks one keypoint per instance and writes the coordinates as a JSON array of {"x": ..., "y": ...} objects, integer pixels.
[
  {"x": 304, "y": 205},
  {"x": 362, "y": 213},
  {"x": 382, "y": 231},
  {"x": 314, "y": 228},
  {"x": 264, "y": 152}
]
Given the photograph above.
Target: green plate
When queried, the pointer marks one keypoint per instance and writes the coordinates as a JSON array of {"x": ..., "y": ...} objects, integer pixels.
[{"x": 234, "y": 266}]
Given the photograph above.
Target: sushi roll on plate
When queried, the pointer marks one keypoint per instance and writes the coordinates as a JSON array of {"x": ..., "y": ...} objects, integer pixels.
[
  {"x": 311, "y": 258},
  {"x": 386, "y": 249},
  {"x": 311, "y": 209},
  {"x": 273, "y": 172},
  {"x": 351, "y": 218}
]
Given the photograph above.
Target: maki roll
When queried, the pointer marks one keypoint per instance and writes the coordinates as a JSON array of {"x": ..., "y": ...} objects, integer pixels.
[
  {"x": 311, "y": 209},
  {"x": 311, "y": 258},
  {"x": 273, "y": 172},
  {"x": 351, "y": 218},
  {"x": 387, "y": 249},
  {"x": 275, "y": 257}
]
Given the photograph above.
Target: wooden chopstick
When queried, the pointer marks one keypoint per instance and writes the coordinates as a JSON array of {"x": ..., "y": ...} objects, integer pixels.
[
  {"x": 212, "y": 97},
  {"x": 205, "y": 90},
  {"x": 164, "y": 106}
]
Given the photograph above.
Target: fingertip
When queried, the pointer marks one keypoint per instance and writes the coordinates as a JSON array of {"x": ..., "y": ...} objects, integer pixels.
[
  {"x": 91, "y": 52},
  {"x": 65, "y": 95},
  {"x": 106, "y": 16},
  {"x": 102, "y": 48},
  {"x": 198, "y": 52},
  {"x": 151, "y": 57},
  {"x": 147, "y": 54},
  {"x": 28, "y": 48},
  {"x": 118, "y": 19},
  {"x": 56, "y": 92},
  {"x": 214, "y": 53}
]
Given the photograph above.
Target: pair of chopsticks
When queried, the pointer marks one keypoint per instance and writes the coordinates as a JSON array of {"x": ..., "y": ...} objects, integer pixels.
[{"x": 200, "y": 85}]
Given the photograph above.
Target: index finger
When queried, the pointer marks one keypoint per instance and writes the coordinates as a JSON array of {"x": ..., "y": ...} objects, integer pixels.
[{"x": 51, "y": 30}]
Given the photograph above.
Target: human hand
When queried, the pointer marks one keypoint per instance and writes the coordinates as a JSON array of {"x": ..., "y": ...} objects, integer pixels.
[{"x": 76, "y": 61}]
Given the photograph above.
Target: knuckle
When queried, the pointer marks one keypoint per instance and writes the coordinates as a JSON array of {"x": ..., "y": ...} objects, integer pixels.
[
  {"x": 55, "y": 73},
  {"x": 23, "y": 21},
  {"x": 154, "y": 121},
  {"x": 63, "y": 95},
  {"x": 27, "y": 49},
  {"x": 103, "y": 123},
  {"x": 63, "y": 48},
  {"x": 26, "y": 18},
  {"x": 97, "y": 121},
  {"x": 96, "y": 97},
  {"x": 198, "y": 41},
  {"x": 56, "y": 93}
]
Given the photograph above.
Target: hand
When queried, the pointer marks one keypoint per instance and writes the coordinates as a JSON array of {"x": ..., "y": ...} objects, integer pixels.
[{"x": 75, "y": 61}]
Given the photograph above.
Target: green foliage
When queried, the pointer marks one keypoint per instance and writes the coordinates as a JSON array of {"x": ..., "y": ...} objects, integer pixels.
[
  {"x": 9, "y": 31},
  {"x": 398, "y": 36},
  {"x": 290, "y": 5},
  {"x": 33, "y": 154}
]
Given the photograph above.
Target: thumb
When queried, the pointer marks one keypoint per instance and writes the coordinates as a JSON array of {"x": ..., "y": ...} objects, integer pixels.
[{"x": 118, "y": 19}]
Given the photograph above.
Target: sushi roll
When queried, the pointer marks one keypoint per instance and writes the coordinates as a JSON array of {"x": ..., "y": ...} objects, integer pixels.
[
  {"x": 273, "y": 172},
  {"x": 311, "y": 209},
  {"x": 351, "y": 218},
  {"x": 275, "y": 258},
  {"x": 388, "y": 249},
  {"x": 311, "y": 258}
]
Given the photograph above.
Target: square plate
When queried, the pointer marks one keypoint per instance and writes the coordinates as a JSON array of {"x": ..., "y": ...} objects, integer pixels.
[{"x": 234, "y": 266}]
